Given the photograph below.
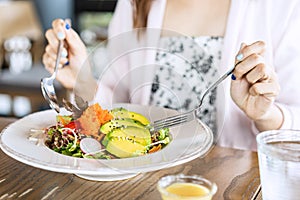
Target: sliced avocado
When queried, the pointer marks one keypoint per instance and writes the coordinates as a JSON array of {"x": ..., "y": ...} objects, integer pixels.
[
  {"x": 119, "y": 123},
  {"x": 124, "y": 148},
  {"x": 136, "y": 134},
  {"x": 120, "y": 113},
  {"x": 105, "y": 140}
]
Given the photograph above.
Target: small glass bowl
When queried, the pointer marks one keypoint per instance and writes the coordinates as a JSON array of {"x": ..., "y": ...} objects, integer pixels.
[{"x": 197, "y": 181}]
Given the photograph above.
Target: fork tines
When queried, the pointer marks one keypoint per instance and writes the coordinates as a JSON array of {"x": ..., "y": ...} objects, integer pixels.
[{"x": 173, "y": 121}]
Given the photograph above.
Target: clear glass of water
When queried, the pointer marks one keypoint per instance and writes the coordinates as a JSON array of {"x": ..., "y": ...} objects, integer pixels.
[{"x": 279, "y": 164}]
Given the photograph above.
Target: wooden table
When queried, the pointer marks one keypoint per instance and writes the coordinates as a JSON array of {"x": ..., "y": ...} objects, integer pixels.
[{"x": 234, "y": 171}]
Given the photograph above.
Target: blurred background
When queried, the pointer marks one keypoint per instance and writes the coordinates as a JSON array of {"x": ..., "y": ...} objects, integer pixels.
[{"x": 22, "y": 27}]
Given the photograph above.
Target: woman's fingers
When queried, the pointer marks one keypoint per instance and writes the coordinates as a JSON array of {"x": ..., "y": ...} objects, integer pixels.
[
  {"x": 51, "y": 37},
  {"x": 247, "y": 57},
  {"x": 52, "y": 53},
  {"x": 247, "y": 50},
  {"x": 258, "y": 74},
  {"x": 74, "y": 42},
  {"x": 49, "y": 62},
  {"x": 62, "y": 30},
  {"x": 250, "y": 62},
  {"x": 264, "y": 88},
  {"x": 54, "y": 35},
  {"x": 59, "y": 28},
  {"x": 247, "y": 65}
]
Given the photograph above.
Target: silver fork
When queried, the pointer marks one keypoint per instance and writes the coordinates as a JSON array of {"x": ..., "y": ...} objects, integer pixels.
[{"x": 190, "y": 115}]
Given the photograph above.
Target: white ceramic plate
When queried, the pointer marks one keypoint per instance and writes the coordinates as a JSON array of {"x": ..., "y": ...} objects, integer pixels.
[{"x": 190, "y": 141}]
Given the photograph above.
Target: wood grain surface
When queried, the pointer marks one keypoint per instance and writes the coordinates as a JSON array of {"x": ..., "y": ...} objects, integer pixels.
[{"x": 234, "y": 171}]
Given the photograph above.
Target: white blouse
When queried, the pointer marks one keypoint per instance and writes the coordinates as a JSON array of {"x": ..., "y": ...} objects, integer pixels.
[{"x": 186, "y": 67}]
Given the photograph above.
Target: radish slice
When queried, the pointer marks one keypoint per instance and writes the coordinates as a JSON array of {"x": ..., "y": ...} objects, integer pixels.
[{"x": 89, "y": 145}]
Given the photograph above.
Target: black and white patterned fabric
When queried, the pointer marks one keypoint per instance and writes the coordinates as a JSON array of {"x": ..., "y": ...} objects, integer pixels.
[{"x": 186, "y": 67}]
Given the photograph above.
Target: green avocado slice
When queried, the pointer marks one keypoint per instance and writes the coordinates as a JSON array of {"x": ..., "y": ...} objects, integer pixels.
[
  {"x": 124, "y": 148},
  {"x": 127, "y": 142},
  {"x": 121, "y": 113},
  {"x": 136, "y": 134},
  {"x": 119, "y": 123}
]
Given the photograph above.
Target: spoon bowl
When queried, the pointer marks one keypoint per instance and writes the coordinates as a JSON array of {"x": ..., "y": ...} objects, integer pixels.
[{"x": 49, "y": 93}]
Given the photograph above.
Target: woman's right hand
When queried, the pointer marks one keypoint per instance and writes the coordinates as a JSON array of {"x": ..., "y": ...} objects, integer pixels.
[{"x": 74, "y": 53}]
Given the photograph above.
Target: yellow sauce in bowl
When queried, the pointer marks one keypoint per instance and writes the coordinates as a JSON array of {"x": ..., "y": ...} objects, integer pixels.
[{"x": 187, "y": 191}]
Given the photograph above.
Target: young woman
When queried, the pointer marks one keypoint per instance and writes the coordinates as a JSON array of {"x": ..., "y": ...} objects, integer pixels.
[{"x": 258, "y": 36}]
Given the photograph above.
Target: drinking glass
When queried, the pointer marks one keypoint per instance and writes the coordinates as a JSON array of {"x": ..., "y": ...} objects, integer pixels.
[
  {"x": 186, "y": 187},
  {"x": 279, "y": 164}
]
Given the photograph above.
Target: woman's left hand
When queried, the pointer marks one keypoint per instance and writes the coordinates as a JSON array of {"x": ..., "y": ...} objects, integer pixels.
[{"x": 254, "y": 87}]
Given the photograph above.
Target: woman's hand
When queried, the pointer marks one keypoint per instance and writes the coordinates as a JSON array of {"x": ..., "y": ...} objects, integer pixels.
[
  {"x": 74, "y": 53},
  {"x": 254, "y": 87}
]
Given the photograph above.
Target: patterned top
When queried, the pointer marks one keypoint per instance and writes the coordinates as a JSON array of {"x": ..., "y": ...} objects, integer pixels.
[{"x": 186, "y": 67}]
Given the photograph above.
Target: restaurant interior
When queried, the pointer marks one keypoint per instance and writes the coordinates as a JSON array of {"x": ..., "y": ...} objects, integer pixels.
[
  {"x": 23, "y": 24},
  {"x": 28, "y": 172}
]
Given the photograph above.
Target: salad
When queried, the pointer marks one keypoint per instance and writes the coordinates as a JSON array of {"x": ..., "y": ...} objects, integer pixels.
[{"x": 120, "y": 133}]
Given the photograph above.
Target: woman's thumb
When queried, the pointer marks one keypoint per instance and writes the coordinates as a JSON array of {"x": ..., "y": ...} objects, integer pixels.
[{"x": 72, "y": 38}]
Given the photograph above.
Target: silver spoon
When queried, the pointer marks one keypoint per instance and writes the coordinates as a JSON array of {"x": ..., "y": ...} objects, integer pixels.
[{"x": 47, "y": 84}]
